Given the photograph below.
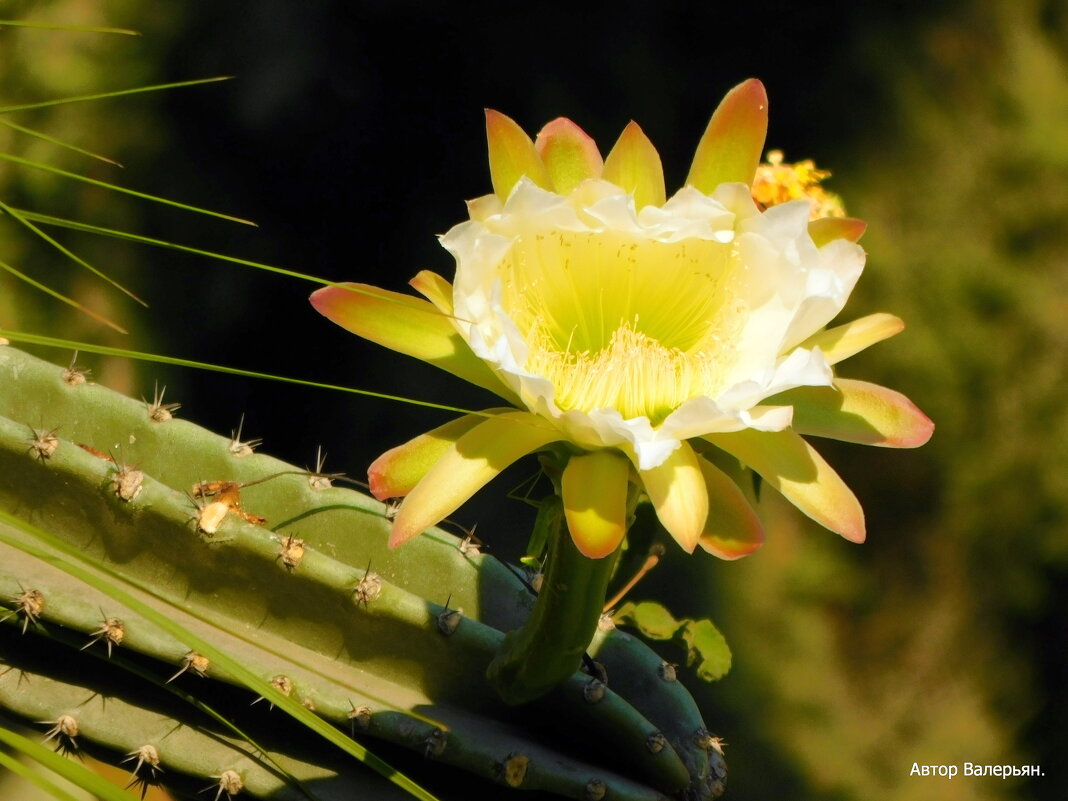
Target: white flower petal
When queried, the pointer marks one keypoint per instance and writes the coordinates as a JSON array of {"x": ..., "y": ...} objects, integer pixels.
[
  {"x": 687, "y": 214},
  {"x": 802, "y": 368},
  {"x": 782, "y": 289},
  {"x": 482, "y": 207},
  {"x": 768, "y": 418},
  {"x": 700, "y": 416},
  {"x": 827, "y": 289},
  {"x": 738, "y": 200}
]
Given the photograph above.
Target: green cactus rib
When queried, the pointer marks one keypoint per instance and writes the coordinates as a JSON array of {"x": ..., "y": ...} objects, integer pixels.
[
  {"x": 395, "y": 634},
  {"x": 648, "y": 683},
  {"x": 285, "y": 764},
  {"x": 32, "y": 603},
  {"x": 545, "y": 769},
  {"x": 492, "y": 743},
  {"x": 180, "y": 454},
  {"x": 47, "y": 686}
]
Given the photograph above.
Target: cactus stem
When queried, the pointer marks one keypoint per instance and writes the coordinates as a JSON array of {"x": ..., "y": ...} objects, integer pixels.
[{"x": 268, "y": 624}]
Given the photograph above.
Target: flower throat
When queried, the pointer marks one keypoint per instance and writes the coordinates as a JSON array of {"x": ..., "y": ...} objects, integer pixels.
[{"x": 661, "y": 329}]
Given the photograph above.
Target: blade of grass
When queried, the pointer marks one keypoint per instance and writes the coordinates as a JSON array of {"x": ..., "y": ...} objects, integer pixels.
[
  {"x": 69, "y": 301},
  {"x": 119, "y": 93},
  {"x": 57, "y": 142},
  {"x": 48, "y": 26},
  {"x": 114, "y": 188},
  {"x": 66, "y": 252},
  {"x": 104, "y": 350},
  {"x": 33, "y": 777},
  {"x": 75, "y": 225},
  {"x": 67, "y": 768},
  {"x": 72, "y": 561}
]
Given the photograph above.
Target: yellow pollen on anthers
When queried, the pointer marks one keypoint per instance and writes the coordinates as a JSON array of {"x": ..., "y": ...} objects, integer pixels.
[
  {"x": 614, "y": 321},
  {"x": 776, "y": 182}
]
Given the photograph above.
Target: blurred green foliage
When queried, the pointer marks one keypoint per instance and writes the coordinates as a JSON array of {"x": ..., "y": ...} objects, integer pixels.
[
  {"x": 41, "y": 64},
  {"x": 942, "y": 640}
]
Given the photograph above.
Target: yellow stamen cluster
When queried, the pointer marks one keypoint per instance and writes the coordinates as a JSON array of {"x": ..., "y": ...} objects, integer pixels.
[
  {"x": 615, "y": 321},
  {"x": 777, "y": 183}
]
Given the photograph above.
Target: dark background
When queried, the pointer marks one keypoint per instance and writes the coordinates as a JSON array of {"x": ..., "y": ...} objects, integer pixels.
[{"x": 353, "y": 135}]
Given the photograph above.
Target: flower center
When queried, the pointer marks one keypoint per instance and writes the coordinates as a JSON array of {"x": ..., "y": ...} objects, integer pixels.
[{"x": 616, "y": 321}]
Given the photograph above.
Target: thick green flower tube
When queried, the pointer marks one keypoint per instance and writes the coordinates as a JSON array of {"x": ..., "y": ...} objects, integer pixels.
[{"x": 548, "y": 648}]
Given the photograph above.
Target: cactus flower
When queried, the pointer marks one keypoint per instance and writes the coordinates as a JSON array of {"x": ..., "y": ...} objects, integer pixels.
[{"x": 641, "y": 332}]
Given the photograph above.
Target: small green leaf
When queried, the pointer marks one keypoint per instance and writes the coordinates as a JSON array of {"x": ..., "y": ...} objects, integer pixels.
[
  {"x": 708, "y": 654},
  {"x": 706, "y": 649},
  {"x": 652, "y": 620}
]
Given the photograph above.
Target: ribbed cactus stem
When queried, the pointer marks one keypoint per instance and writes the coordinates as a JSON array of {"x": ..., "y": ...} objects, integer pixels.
[
  {"x": 548, "y": 648},
  {"x": 295, "y": 582}
]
